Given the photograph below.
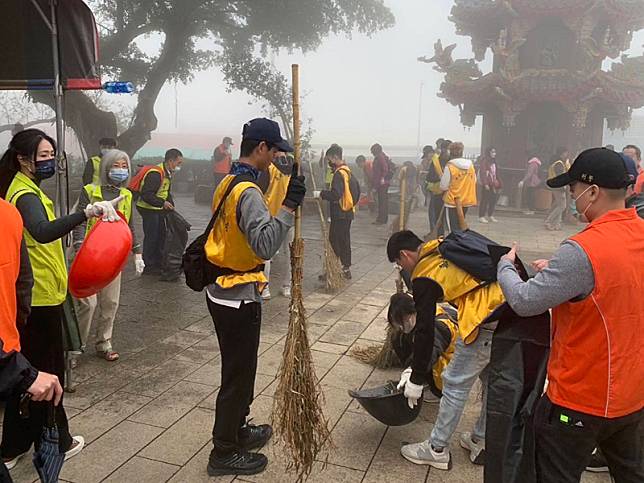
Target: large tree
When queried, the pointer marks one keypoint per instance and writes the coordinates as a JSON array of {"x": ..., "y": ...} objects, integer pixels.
[{"x": 242, "y": 31}]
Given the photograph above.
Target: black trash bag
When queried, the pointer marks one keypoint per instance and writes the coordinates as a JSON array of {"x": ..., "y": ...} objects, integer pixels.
[
  {"x": 518, "y": 362},
  {"x": 176, "y": 239}
]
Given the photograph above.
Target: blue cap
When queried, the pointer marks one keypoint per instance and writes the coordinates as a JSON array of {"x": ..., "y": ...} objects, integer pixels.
[
  {"x": 262, "y": 129},
  {"x": 631, "y": 167}
]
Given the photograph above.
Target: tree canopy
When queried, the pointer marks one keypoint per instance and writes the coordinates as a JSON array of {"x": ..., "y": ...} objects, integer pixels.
[{"x": 200, "y": 34}]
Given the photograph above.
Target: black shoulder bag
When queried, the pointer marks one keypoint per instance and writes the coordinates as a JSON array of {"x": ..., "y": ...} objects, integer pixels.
[{"x": 199, "y": 271}]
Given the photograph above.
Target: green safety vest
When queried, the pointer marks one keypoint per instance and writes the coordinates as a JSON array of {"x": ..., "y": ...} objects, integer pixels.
[
  {"x": 95, "y": 194},
  {"x": 47, "y": 259},
  {"x": 96, "y": 175},
  {"x": 163, "y": 192}
]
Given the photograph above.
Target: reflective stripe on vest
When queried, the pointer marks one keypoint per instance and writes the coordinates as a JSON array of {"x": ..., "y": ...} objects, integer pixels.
[
  {"x": 96, "y": 174},
  {"x": 276, "y": 192},
  {"x": 47, "y": 259},
  {"x": 462, "y": 185},
  {"x": 346, "y": 202},
  {"x": 473, "y": 301},
  {"x": 227, "y": 246},
  {"x": 596, "y": 363},
  {"x": 163, "y": 192},
  {"x": 9, "y": 271},
  {"x": 95, "y": 193}
]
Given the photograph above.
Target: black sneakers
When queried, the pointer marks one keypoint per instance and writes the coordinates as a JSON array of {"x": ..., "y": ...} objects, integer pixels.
[
  {"x": 254, "y": 437},
  {"x": 241, "y": 463},
  {"x": 346, "y": 273}
]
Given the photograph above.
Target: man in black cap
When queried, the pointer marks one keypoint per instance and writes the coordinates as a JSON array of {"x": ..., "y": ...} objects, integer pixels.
[
  {"x": 594, "y": 286},
  {"x": 243, "y": 236}
]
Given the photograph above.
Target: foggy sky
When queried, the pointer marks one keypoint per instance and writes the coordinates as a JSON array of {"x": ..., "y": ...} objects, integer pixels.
[{"x": 358, "y": 91}]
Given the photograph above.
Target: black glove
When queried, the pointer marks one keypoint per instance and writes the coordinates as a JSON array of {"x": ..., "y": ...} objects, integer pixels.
[{"x": 295, "y": 191}]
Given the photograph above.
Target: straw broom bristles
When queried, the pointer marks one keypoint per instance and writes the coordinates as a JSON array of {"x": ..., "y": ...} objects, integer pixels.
[
  {"x": 297, "y": 413},
  {"x": 379, "y": 356}
]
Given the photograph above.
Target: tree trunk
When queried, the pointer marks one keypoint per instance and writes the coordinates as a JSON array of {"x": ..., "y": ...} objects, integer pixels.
[{"x": 81, "y": 114}]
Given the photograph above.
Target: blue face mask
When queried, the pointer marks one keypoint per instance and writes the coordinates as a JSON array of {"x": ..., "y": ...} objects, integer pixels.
[
  {"x": 118, "y": 175},
  {"x": 45, "y": 169}
]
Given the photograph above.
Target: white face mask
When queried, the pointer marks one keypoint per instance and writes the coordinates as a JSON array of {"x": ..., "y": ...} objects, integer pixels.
[{"x": 583, "y": 213}]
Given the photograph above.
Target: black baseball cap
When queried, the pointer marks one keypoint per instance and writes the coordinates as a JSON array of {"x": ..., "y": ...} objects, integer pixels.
[
  {"x": 262, "y": 129},
  {"x": 598, "y": 166}
]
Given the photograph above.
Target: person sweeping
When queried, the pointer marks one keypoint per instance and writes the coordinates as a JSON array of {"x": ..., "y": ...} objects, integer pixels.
[
  {"x": 244, "y": 234},
  {"x": 342, "y": 196}
]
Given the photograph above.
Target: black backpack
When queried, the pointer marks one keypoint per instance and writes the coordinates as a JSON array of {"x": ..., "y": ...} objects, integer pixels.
[
  {"x": 199, "y": 271},
  {"x": 469, "y": 251}
]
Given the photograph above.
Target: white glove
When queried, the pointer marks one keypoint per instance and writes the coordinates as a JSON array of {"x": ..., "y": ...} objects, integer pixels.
[
  {"x": 139, "y": 264},
  {"x": 104, "y": 209},
  {"x": 413, "y": 392}
]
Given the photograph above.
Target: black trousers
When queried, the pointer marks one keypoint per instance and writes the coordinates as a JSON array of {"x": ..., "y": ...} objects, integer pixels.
[
  {"x": 340, "y": 238},
  {"x": 383, "y": 204},
  {"x": 488, "y": 202},
  {"x": 238, "y": 335},
  {"x": 153, "y": 237},
  {"x": 565, "y": 440},
  {"x": 435, "y": 206},
  {"x": 41, "y": 341}
]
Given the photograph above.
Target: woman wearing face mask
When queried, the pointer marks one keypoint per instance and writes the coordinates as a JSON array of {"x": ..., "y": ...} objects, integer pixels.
[
  {"x": 114, "y": 175},
  {"x": 29, "y": 160},
  {"x": 402, "y": 318}
]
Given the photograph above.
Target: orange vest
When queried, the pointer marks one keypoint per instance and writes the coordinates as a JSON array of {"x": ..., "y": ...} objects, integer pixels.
[
  {"x": 223, "y": 166},
  {"x": 462, "y": 185},
  {"x": 596, "y": 362},
  {"x": 9, "y": 269}
]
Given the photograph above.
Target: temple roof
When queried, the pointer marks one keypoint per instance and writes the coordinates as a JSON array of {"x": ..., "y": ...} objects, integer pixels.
[
  {"x": 479, "y": 16},
  {"x": 545, "y": 85}
]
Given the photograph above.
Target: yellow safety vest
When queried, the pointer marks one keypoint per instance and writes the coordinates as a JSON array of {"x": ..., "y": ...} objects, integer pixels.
[
  {"x": 96, "y": 174},
  {"x": 443, "y": 359},
  {"x": 163, "y": 192},
  {"x": 346, "y": 202},
  {"x": 462, "y": 185},
  {"x": 95, "y": 194},
  {"x": 551, "y": 169},
  {"x": 47, "y": 259},
  {"x": 435, "y": 188},
  {"x": 227, "y": 246},
  {"x": 276, "y": 192},
  {"x": 473, "y": 300}
]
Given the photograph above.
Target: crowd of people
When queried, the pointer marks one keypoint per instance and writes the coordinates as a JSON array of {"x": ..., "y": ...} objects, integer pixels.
[{"x": 595, "y": 365}]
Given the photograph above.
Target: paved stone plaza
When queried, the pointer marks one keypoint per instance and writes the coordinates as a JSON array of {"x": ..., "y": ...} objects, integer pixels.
[{"x": 148, "y": 417}]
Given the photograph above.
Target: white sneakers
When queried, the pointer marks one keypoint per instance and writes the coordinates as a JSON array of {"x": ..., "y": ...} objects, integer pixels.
[
  {"x": 476, "y": 448},
  {"x": 492, "y": 219},
  {"x": 483, "y": 220},
  {"x": 423, "y": 454},
  {"x": 78, "y": 443},
  {"x": 489, "y": 219}
]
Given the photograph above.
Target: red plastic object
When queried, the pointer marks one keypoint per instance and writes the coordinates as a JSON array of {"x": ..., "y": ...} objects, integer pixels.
[{"x": 101, "y": 257}]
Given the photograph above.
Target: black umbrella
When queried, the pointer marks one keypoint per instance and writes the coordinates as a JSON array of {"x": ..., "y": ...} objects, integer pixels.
[{"x": 48, "y": 459}]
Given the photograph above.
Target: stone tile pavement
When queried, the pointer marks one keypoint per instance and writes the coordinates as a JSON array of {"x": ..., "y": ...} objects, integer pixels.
[{"x": 148, "y": 417}]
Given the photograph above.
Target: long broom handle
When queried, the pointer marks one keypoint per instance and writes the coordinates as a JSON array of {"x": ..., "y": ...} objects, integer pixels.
[
  {"x": 295, "y": 74},
  {"x": 403, "y": 195},
  {"x": 460, "y": 214},
  {"x": 317, "y": 200}
]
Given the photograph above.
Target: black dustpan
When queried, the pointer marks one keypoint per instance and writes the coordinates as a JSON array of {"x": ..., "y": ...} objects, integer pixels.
[{"x": 387, "y": 404}]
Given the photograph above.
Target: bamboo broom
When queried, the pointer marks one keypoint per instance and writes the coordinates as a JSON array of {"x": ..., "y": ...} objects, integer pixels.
[
  {"x": 334, "y": 280},
  {"x": 297, "y": 412},
  {"x": 401, "y": 221}
]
